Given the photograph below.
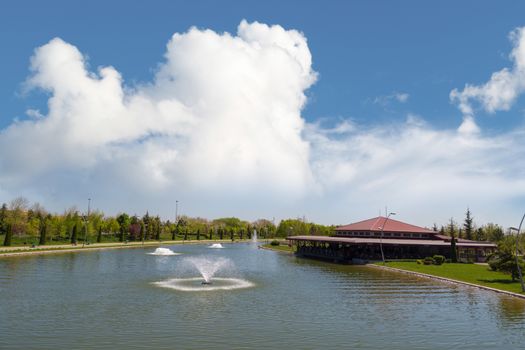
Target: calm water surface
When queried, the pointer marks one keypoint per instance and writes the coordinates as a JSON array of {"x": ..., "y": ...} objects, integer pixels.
[{"x": 108, "y": 300}]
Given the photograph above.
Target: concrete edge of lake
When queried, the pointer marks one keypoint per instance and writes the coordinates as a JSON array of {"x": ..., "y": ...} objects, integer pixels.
[{"x": 449, "y": 280}]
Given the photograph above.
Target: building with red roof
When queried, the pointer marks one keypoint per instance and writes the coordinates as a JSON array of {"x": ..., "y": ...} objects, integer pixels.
[{"x": 374, "y": 238}]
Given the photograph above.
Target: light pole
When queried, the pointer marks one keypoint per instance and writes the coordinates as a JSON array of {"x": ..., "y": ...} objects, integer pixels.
[
  {"x": 86, "y": 222},
  {"x": 381, "y": 237},
  {"x": 516, "y": 256},
  {"x": 176, "y": 211}
]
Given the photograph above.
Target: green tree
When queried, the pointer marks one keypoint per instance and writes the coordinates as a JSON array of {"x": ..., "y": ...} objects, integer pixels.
[
  {"x": 158, "y": 228},
  {"x": 43, "y": 230},
  {"x": 453, "y": 249},
  {"x": 3, "y": 219},
  {"x": 74, "y": 235},
  {"x": 18, "y": 216},
  {"x": 493, "y": 232},
  {"x": 99, "y": 234},
  {"x": 505, "y": 260},
  {"x": 123, "y": 221},
  {"x": 468, "y": 225},
  {"x": 8, "y": 235},
  {"x": 480, "y": 234}
]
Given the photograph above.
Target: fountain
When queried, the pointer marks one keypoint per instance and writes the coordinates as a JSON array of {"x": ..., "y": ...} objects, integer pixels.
[
  {"x": 254, "y": 236},
  {"x": 163, "y": 252},
  {"x": 207, "y": 268},
  {"x": 216, "y": 246}
]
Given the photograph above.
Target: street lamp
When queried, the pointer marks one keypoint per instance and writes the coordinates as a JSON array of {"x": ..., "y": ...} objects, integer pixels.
[
  {"x": 518, "y": 230},
  {"x": 381, "y": 237}
]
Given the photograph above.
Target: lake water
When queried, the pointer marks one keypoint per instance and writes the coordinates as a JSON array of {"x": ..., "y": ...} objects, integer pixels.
[{"x": 108, "y": 299}]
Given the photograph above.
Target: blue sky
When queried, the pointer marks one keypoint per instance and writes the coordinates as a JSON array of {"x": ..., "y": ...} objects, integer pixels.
[{"x": 377, "y": 64}]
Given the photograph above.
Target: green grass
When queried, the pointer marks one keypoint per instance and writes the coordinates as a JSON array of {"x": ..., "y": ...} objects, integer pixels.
[
  {"x": 471, "y": 273},
  {"x": 281, "y": 247}
]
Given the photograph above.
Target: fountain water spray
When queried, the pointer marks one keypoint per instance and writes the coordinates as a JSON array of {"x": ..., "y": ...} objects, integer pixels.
[
  {"x": 207, "y": 267},
  {"x": 254, "y": 236},
  {"x": 216, "y": 246},
  {"x": 163, "y": 251}
]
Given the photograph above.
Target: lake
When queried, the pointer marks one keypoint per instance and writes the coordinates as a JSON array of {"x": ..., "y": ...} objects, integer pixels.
[{"x": 111, "y": 299}]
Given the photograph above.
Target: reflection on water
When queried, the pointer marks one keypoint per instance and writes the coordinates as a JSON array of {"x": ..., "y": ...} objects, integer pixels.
[{"x": 108, "y": 300}]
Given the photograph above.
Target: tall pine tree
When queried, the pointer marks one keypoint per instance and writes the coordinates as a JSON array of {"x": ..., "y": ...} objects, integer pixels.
[
  {"x": 453, "y": 249},
  {"x": 99, "y": 235},
  {"x": 74, "y": 235},
  {"x": 43, "y": 231},
  {"x": 8, "y": 235},
  {"x": 468, "y": 225}
]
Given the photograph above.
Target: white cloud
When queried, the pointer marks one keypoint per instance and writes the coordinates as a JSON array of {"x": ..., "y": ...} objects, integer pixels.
[
  {"x": 504, "y": 86},
  {"x": 221, "y": 108},
  {"x": 219, "y": 128},
  {"x": 385, "y": 100}
]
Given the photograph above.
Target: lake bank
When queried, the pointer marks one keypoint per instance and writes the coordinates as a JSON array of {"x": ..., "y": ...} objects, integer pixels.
[
  {"x": 69, "y": 248},
  {"x": 479, "y": 276}
]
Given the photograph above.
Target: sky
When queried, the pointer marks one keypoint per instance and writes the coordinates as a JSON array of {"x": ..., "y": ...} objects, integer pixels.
[{"x": 334, "y": 111}]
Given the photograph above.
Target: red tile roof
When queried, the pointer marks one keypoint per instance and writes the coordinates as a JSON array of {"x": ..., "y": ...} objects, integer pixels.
[{"x": 376, "y": 223}]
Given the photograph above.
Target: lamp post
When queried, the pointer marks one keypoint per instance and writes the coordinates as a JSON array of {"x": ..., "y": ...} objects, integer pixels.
[
  {"x": 517, "y": 251},
  {"x": 381, "y": 237}
]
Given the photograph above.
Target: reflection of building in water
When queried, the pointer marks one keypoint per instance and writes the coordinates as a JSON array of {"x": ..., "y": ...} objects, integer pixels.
[{"x": 361, "y": 241}]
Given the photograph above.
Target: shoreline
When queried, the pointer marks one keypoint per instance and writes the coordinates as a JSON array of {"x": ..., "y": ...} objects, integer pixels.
[
  {"x": 429, "y": 276},
  {"x": 68, "y": 248},
  {"x": 448, "y": 280}
]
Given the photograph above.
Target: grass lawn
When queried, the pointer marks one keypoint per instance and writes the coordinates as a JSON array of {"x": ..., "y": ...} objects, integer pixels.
[{"x": 471, "y": 273}]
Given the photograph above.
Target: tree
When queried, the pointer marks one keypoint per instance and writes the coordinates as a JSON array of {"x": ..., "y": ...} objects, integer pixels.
[
  {"x": 505, "y": 261},
  {"x": 453, "y": 249},
  {"x": 493, "y": 232},
  {"x": 468, "y": 225},
  {"x": 74, "y": 235},
  {"x": 198, "y": 234},
  {"x": 158, "y": 228},
  {"x": 136, "y": 228},
  {"x": 123, "y": 221},
  {"x": 480, "y": 234},
  {"x": 99, "y": 235},
  {"x": 8, "y": 235},
  {"x": 3, "y": 219},
  {"x": 18, "y": 215},
  {"x": 43, "y": 231}
]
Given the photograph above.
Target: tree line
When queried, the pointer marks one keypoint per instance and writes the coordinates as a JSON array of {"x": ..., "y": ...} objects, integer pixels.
[
  {"x": 31, "y": 224},
  {"x": 469, "y": 230}
]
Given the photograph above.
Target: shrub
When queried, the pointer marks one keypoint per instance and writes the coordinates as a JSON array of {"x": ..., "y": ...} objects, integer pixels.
[
  {"x": 428, "y": 260},
  {"x": 275, "y": 242},
  {"x": 439, "y": 259},
  {"x": 419, "y": 261}
]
